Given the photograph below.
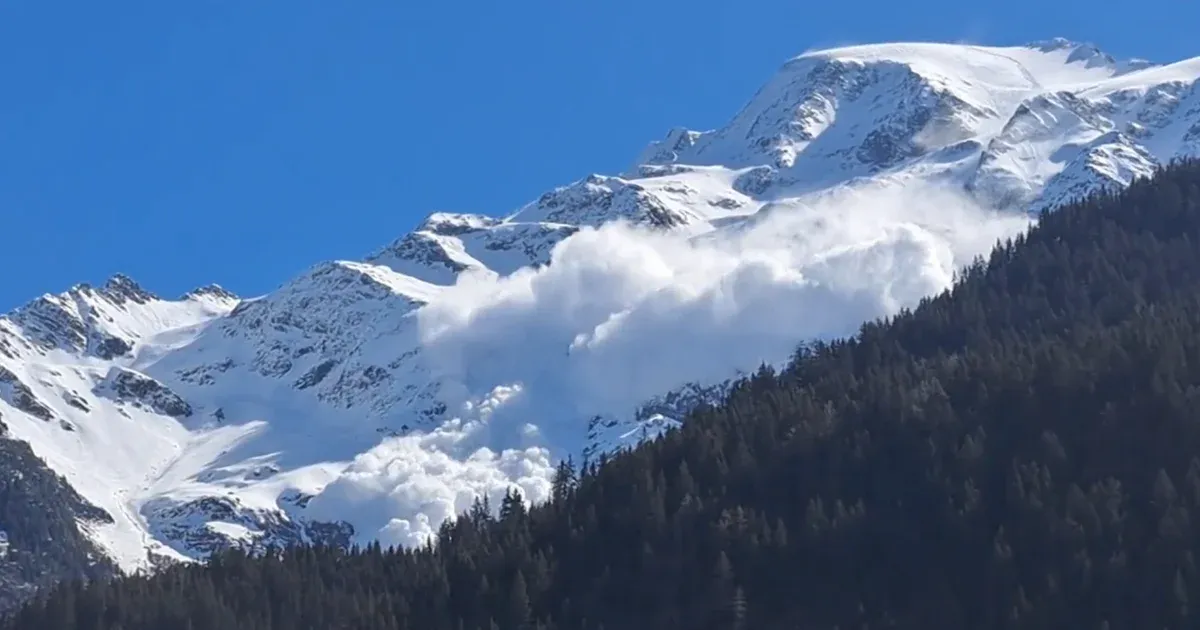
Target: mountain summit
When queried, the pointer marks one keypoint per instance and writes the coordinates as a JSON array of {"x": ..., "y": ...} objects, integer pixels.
[{"x": 373, "y": 399}]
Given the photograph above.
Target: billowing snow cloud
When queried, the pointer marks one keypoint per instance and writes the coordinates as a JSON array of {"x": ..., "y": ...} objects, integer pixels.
[
  {"x": 622, "y": 314},
  {"x": 401, "y": 491}
]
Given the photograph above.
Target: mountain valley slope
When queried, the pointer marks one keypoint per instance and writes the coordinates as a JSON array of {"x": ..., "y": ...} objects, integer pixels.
[{"x": 373, "y": 399}]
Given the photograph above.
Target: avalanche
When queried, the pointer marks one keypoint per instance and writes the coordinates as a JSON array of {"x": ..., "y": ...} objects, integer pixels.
[{"x": 373, "y": 399}]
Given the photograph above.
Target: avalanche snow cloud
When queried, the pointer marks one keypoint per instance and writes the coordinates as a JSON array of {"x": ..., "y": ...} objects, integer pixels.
[
  {"x": 466, "y": 357},
  {"x": 622, "y": 314}
]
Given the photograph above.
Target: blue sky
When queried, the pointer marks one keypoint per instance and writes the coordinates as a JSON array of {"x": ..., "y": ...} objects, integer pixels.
[{"x": 237, "y": 142}]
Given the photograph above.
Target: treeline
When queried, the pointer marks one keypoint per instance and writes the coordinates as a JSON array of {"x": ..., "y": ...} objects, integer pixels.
[{"x": 1022, "y": 451}]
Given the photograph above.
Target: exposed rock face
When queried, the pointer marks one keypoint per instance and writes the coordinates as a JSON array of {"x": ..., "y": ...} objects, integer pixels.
[
  {"x": 18, "y": 394},
  {"x": 128, "y": 387},
  {"x": 213, "y": 292},
  {"x": 213, "y": 524}
]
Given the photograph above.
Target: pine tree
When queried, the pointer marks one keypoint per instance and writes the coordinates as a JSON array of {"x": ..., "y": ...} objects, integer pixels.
[{"x": 518, "y": 612}]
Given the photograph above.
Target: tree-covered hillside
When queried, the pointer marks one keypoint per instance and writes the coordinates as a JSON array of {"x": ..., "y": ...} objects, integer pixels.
[
  {"x": 40, "y": 519},
  {"x": 1020, "y": 452}
]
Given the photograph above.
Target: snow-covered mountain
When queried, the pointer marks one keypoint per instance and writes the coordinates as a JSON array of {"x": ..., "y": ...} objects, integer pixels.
[{"x": 372, "y": 399}]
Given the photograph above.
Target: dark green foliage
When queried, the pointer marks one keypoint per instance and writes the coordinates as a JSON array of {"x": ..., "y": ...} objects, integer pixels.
[
  {"x": 1020, "y": 452},
  {"x": 38, "y": 513}
]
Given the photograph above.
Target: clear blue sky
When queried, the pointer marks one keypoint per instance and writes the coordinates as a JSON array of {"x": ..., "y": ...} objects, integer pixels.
[{"x": 239, "y": 142}]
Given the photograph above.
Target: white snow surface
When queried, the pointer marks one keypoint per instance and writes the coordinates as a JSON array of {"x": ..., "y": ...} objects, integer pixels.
[{"x": 467, "y": 357}]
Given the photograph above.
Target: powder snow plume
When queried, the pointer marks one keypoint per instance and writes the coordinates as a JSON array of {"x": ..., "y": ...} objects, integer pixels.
[{"x": 622, "y": 314}]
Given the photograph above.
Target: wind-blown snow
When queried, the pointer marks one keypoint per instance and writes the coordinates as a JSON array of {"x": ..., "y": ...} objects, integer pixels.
[{"x": 466, "y": 358}]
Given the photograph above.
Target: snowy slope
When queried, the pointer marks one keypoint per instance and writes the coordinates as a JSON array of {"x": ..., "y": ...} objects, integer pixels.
[{"x": 373, "y": 399}]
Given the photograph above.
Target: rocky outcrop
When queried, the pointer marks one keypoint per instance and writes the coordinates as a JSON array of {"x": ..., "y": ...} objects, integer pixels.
[
  {"x": 213, "y": 524},
  {"x": 18, "y": 394},
  {"x": 133, "y": 388}
]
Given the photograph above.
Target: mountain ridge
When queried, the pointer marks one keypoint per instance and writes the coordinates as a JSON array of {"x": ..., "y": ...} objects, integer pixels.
[{"x": 327, "y": 409}]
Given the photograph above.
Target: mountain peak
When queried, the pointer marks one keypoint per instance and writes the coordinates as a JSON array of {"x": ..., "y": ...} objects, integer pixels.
[
  {"x": 121, "y": 287},
  {"x": 212, "y": 291},
  {"x": 453, "y": 223},
  {"x": 1077, "y": 52},
  {"x": 1060, "y": 43},
  {"x": 1088, "y": 55}
]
